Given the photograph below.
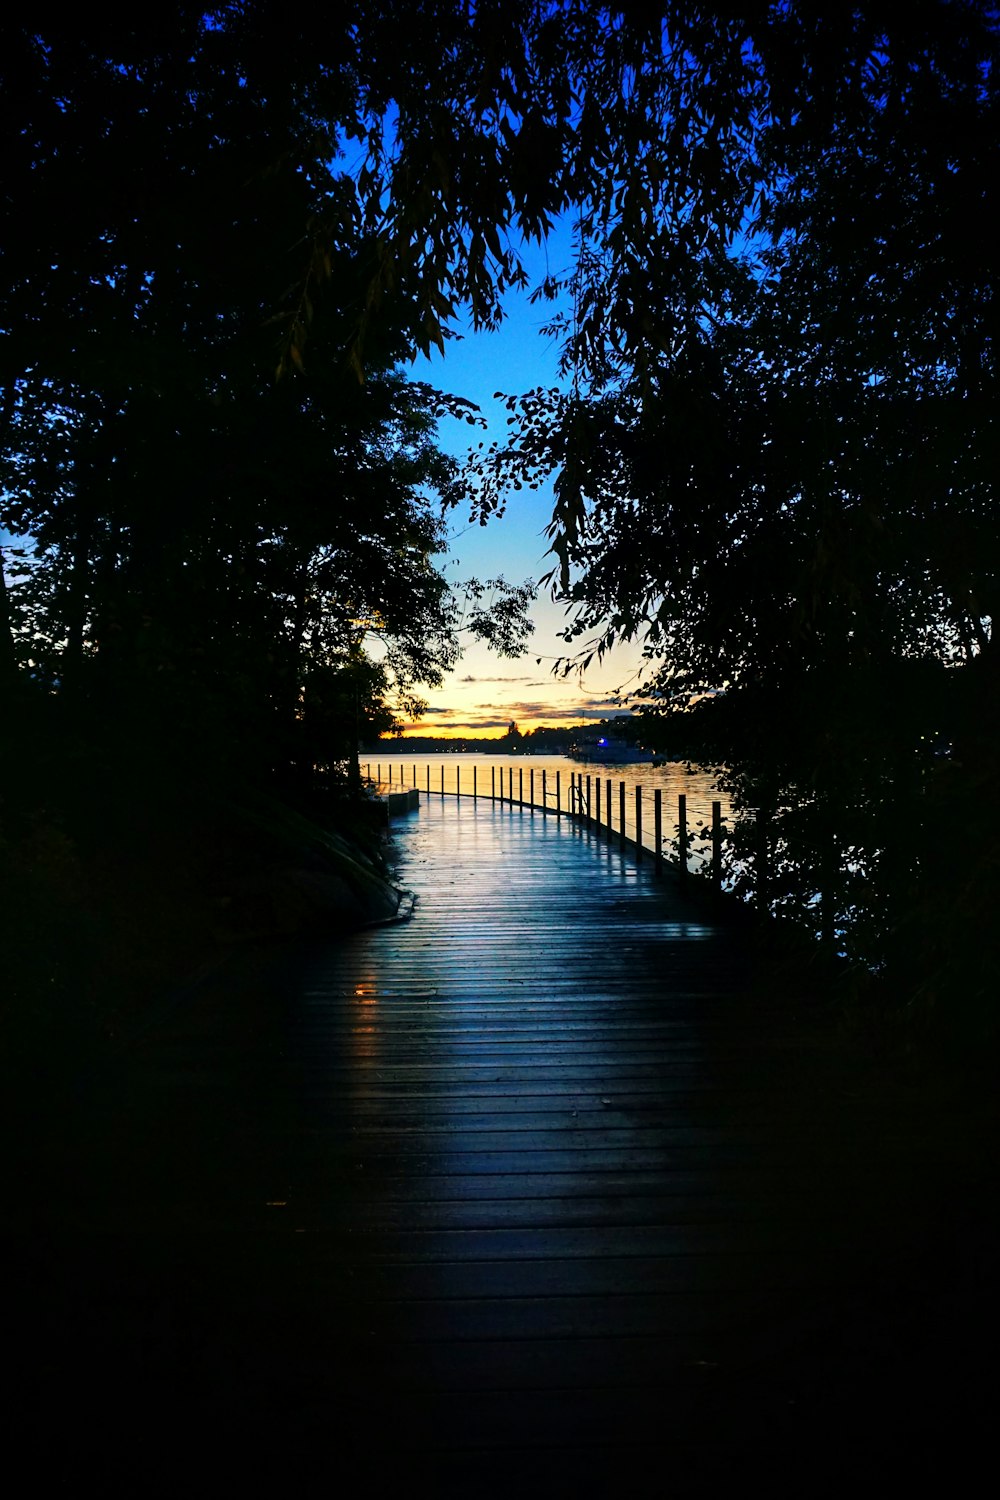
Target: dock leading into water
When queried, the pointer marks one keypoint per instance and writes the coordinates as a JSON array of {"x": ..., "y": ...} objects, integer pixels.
[{"x": 541, "y": 1191}]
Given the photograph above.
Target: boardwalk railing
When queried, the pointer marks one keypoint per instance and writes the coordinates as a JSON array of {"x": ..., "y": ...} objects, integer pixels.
[{"x": 589, "y": 800}]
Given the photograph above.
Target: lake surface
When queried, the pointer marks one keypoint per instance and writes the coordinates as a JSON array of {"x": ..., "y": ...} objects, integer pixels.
[{"x": 460, "y": 772}]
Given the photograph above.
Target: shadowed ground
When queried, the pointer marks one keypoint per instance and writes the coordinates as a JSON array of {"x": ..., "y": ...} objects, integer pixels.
[{"x": 537, "y": 1191}]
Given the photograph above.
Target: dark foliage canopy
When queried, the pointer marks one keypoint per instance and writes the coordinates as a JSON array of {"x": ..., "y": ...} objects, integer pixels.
[
  {"x": 213, "y": 545},
  {"x": 774, "y": 451},
  {"x": 774, "y": 455}
]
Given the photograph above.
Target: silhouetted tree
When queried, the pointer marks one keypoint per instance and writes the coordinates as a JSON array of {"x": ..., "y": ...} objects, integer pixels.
[
  {"x": 208, "y": 537},
  {"x": 773, "y": 457},
  {"x": 774, "y": 461}
]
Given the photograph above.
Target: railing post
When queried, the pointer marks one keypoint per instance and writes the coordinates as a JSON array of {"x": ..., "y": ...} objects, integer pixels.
[
  {"x": 682, "y": 838},
  {"x": 520, "y": 786},
  {"x": 558, "y": 795},
  {"x": 586, "y": 807},
  {"x": 717, "y": 847},
  {"x": 474, "y": 789},
  {"x": 658, "y": 830},
  {"x": 597, "y": 802},
  {"x": 510, "y": 785},
  {"x": 638, "y": 822},
  {"x": 607, "y": 802},
  {"x": 442, "y": 781},
  {"x": 531, "y": 788},
  {"x": 378, "y": 773},
  {"x": 621, "y": 814},
  {"x": 458, "y": 781},
  {"x": 545, "y": 795}
]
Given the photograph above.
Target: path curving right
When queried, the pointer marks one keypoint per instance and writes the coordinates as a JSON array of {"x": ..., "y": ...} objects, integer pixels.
[
  {"x": 539, "y": 1192},
  {"x": 604, "y": 1208}
]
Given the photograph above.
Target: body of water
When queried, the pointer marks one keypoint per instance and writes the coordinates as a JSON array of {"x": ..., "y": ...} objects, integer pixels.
[{"x": 523, "y": 775}]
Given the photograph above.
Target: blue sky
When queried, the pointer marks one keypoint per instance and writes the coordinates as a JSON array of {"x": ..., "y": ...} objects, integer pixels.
[{"x": 485, "y": 692}]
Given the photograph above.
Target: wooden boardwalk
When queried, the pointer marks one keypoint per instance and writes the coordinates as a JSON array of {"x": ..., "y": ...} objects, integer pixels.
[{"x": 531, "y": 1192}]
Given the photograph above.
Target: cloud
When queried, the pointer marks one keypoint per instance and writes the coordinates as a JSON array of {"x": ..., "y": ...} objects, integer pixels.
[
  {"x": 561, "y": 713},
  {"x": 606, "y": 711},
  {"x": 497, "y": 679},
  {"x": 474, "y": 726}
]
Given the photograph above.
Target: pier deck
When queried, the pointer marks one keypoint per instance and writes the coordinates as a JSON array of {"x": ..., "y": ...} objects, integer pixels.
[{"x": 534, "y": 1191}]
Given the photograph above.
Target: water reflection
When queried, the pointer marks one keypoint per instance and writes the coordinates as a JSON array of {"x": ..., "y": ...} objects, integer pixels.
[
  {"x": 364, "y": 1027},
  {"x": 552, "y": 782}
]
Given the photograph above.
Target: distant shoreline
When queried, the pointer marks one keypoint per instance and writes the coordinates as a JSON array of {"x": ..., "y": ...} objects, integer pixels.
[{"x": 544, "y": 740}]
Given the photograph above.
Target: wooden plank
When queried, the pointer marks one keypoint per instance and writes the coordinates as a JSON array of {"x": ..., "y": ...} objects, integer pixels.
[
  {"x": 688, "y": 1202},
  {"x": 707, "y": 1271},
  {"x": 642, "y": 1251},
  {"x": 559, "y": 1187},
  {"x": 514, "y": 1177},
  {"x": 531, "y": 1321}
]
